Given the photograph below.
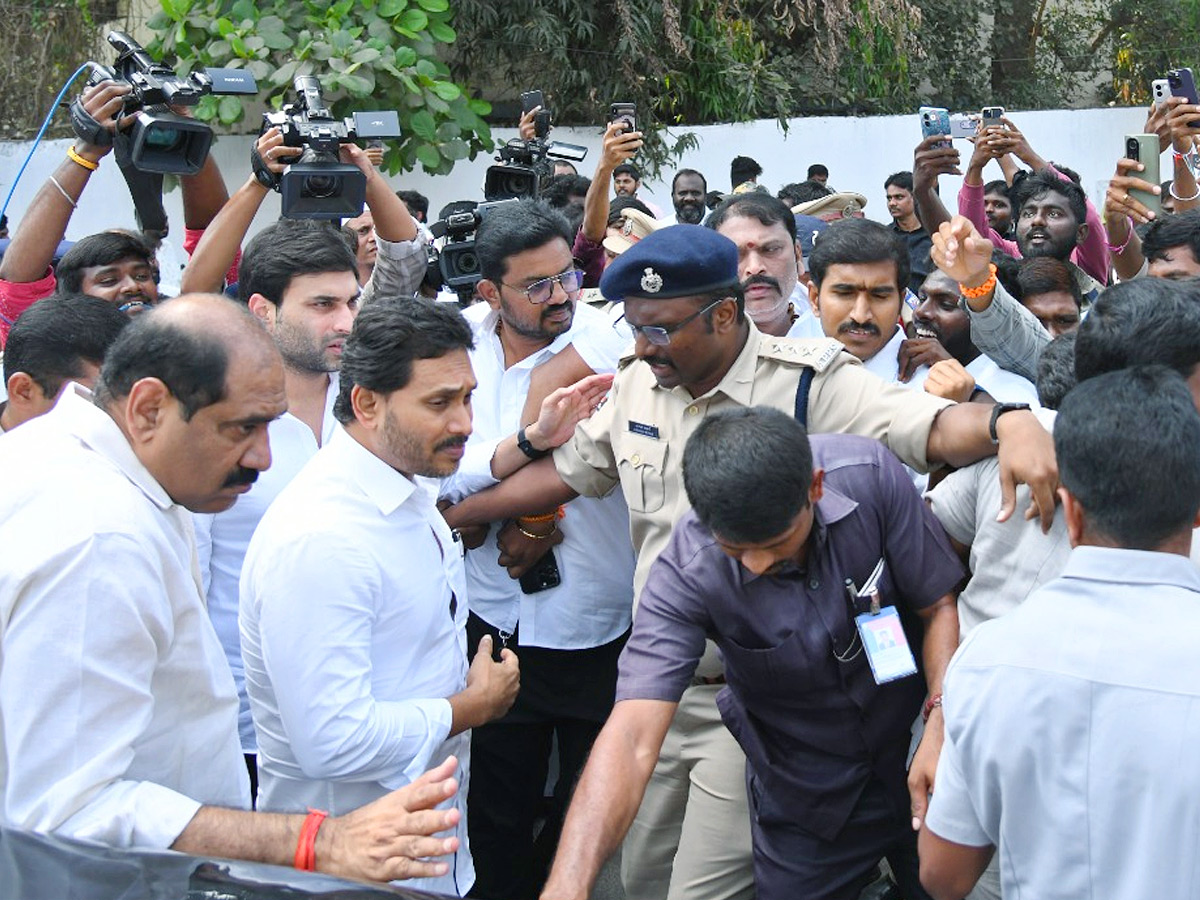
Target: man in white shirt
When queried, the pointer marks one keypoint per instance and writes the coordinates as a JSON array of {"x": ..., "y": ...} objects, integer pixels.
[
  {"x": 1066, "y": 720},
  {"x": 562, "y": 596},
  {"x": 943, "y": 333},
  {"x": 353, "y": 594},
  {"x": 117, "y": 710},
  {"x": 770, "y": 264},
  {"x": 300, "y": 280}
]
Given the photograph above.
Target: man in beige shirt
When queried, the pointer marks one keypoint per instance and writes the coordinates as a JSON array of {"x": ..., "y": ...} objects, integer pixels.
[{"x": 697, "y": 353}]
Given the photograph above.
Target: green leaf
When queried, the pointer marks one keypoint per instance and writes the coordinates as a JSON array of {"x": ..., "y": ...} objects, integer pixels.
[
  {"x": 413, "y": 20},
  {"x": 259, "y": 68},
  {"x": 206, "y": 109},
  {"x": 426, "y": 67},
  {"x": 480, "y": 107},
  {"x": 389, "y": 9},
  {"x": 254, "y": 43},
  {"x": 219, "y": 50},
  {"x": 428, "y": 155},
  {"x": 285, "y": 73},
  {"x": 443, "y": 32},
  {"x": 365, "y": 55},
  {"x": 239, "y": 46},
  {"x": 360, "y": 85},
  {"x": 401, "y": 30},
  {"x": 436, "y": 104},
  {"x": 244, "y": 9},
  {"x": 421, "y": 123},
  {"x": 224, "y": 27},
  {"x": 277, "y": 40},
  {"x": 447, "y": 90},
  {"x": 405, "y": 57},
  {"x": 434, "y": 5},
  {"x": 455, "y": 149},
  {"x": 448, "y": 131},
  {"x": 270, "y": 25},
  {"x": 341, "y": 41},
  {"x": 229, "y": 109}
]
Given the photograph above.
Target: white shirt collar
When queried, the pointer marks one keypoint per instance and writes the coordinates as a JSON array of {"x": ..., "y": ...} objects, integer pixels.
[{"x": 387, "y": 488}]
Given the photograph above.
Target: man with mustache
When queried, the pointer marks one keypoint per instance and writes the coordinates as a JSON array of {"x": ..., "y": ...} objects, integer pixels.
[
  {"x": 353, "y": 596},
  {"x": 121, "y": 728},
  {"x": 300, "y": 280},
  {"x": 560, "y": 595},
  {"x": 770, "y": 264}
]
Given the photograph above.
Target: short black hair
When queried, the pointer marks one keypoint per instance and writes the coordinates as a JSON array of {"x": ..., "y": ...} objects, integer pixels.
[
  {"x": 683, "y": 172},
  {"x": 1179, "y": 230},
  {"x": 999, "y": 186},
  {"x": 747, "y": 472},
  {"x": 849, "y": 241},
  {"x": 415, "y": 201},
  {"x": 901, "y": 180},
  {"x": 1128, "y": 449},
  {"x": 1139, "y": 322},
  {"x": 628, "y": 168},
  {"x": 191, "y": 362},
  {"x": 101, "y": 249},
  {"x": 292, "y": 247},
  {"x": 559, "y": 189},
  {"x": 742, "y": 169},
  {"x": 753, "y": 205},
  {"x": 619, "y": 204},
  {"x": 1056, "y": 370},
  {"x": 1045, "y": 182},
  {"x": 513, "y": 228},
  {"x": 52, "y": 339},
  {"x": 816, "y": 169},
  {"x": 388, "y": 336},
  {"x": 1007, "y": 269},
  {"x": 1044, "y": 274},
  {"x": 802, "y": 192}
]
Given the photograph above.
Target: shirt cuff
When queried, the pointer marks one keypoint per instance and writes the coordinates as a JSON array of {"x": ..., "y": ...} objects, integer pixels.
[
  {"x": 475, "y": 471},
  {"x": 399, "y": 250},
  {"x": 439, "y": 717},
  {"x": 133, "y": 814}
]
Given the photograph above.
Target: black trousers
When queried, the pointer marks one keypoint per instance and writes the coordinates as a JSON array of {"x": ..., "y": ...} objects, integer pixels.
[
  {"x": 565, "y": 696},
  {"x": 792, "y": 864}
]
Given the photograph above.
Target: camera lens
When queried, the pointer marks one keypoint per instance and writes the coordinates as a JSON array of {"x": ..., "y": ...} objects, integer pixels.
[
  {"x": 162, "y": 138},
  {"x": 467, "y": 264},
  {"x": 321, "y": 186}
]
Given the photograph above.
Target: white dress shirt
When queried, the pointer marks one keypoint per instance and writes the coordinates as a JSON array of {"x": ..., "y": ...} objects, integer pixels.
[
  {"x": 353, "y": 620},
  {"x": 118, "y": 716},
  {"x": 221, "y": 540},
  {"x": 806, "y": 325},
  {"x": 594, "y": 603},
  {"x": 886, "y": 364},
  {"x": 1005, "y": 386}
]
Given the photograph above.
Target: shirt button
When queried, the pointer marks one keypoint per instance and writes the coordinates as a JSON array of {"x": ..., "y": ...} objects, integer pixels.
[
  {"x": 813, "y": 584},
  {"x": 692, "y": 411},
  {"x": 636, "y": 459}
]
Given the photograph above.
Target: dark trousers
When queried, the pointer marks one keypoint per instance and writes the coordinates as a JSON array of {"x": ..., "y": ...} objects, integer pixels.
[
  {"x": 565, "y": 696},
  {"x": 792, "y": 864}
]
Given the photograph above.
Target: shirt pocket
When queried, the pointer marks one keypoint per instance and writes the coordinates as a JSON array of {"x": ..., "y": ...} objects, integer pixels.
[
  {"x": 640, "y": 467},
  {"x": 794, "y": 662}
]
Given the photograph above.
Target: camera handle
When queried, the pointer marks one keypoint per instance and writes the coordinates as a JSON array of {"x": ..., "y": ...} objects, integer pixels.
[{"x": 86, "y": 128}]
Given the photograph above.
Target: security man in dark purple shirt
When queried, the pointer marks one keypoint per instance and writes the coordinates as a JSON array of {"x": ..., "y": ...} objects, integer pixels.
[{"x": 790, "y": 560}]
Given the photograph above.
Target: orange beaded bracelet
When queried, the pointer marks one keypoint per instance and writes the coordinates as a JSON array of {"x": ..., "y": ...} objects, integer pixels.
[{"x": 984, "y": 289}]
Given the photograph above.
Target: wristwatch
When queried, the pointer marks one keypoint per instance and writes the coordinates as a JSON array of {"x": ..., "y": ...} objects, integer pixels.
[
  {"x": 997, "y": 411},
  {"x": 532, "y": 452}
]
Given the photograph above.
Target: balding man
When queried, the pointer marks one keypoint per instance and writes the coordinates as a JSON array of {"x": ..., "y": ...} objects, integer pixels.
[{"x": 118, "y": 715}]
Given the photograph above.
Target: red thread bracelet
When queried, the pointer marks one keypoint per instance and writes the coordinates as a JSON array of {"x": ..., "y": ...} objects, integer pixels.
[
  {"x": 306, "y": 856},
  {"x": 930, "y": 705}
]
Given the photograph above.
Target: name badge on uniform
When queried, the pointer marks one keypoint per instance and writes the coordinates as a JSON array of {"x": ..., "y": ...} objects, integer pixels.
[
  {"x": 650, "y": 431},
  {"x": 886, "y": 645}
]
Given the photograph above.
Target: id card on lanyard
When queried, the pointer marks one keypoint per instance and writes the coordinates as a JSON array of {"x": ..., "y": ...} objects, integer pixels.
[{"x": 882, "y": 635}]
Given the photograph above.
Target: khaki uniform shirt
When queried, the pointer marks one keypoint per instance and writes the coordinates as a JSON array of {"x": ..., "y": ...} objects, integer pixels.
[{"x": 636, "y": 439}]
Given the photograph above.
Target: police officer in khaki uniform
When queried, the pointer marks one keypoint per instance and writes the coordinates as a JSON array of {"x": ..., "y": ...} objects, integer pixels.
[{"x": 695, "y": 353}]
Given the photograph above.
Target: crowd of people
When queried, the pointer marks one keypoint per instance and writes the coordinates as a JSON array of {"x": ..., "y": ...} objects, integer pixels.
[{"x": 790, "y": 553}]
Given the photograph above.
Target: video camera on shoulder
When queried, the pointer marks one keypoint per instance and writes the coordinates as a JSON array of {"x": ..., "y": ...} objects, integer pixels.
[
  {"x": 319, "y": 185},
  {"x": 160, "y": 140},
  {"x": 525, "y": 165},
  {"x": 456, "y": 266}
]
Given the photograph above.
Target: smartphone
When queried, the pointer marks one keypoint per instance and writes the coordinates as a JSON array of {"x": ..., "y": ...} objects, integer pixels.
[
  {"x": 543, "y": 576},
  {"x": 1144, "y": 149},
  {"x": 964, "y": 125},
  {"x": 992, "y": 115},
  {"x": 532, "y": 100},
  {"x": 626, "y": 114},
  {"x": 1161, "y": 89},
  {"x": 1182, "y": 84},
  {"x": 935, "y": 120}
]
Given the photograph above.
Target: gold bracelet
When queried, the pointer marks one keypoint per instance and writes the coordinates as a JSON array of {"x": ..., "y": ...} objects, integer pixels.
[
  {"x": 537, "y": 537},
  {"x": 984, "y": 289},
  {"x": 74, "y": 156}
]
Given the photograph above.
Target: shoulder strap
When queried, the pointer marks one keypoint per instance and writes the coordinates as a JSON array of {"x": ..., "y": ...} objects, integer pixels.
[{"x": 806, "y": 379}]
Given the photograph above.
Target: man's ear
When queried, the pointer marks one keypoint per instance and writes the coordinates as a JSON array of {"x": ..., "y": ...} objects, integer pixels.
[
  {"x": 816, "y": 490},
  {"x": 812, "y": 298},
  {"x": 23, "y": 391},
  {"x": 263, "y": 309},
  {"x": 1081, "y": 234},
  {"x": 368, "y": 406},
  {"x": 146, "y": 408},
  {"x": 489, "y": 291},
  {"x": 1073, "y": 515}
]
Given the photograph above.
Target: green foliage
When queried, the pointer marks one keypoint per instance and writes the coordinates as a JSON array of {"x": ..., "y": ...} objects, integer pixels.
[
  {"x": 368, "y": 54},
  {"x": 1149, "y": 37}
]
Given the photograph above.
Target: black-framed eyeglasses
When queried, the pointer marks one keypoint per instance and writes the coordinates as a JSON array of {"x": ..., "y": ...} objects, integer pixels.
[
  {"x": 660, "y": 335},
  {"x": 542, "y": 290}
]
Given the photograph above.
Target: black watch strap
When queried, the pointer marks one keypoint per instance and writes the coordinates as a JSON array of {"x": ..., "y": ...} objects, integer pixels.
[
  {"x": 997, "y": 411},
  {"x": 527, "y": 448}
]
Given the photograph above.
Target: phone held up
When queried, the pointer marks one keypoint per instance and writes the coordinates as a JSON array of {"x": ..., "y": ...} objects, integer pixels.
[
  {"x": 626, "y": 114},
  {"x": 1143, "y": 148}
]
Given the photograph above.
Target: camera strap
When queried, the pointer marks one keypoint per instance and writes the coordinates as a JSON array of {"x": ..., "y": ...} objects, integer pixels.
[
  {"x": 265, "y": 176},
  {"x": 86, "y": 128},
  {"x": 144, "y": 187}
]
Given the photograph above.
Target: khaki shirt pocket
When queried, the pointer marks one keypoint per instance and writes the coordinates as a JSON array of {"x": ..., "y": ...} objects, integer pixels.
[{"x": 640, "y": 467}]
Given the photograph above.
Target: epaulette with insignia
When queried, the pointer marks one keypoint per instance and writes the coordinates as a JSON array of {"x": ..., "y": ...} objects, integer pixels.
[{"x": 816, "y": 353}]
